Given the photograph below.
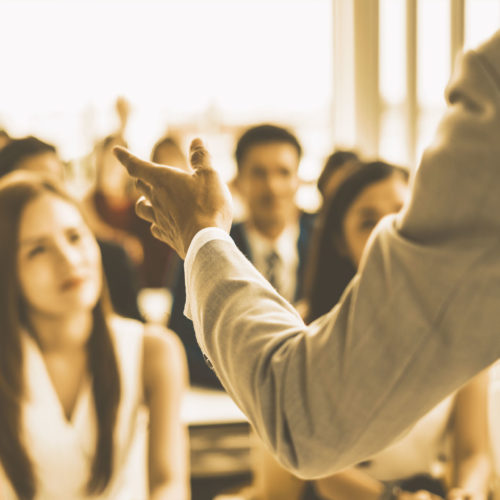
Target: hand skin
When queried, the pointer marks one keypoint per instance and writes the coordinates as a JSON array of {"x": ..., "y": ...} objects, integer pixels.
[{"x": 180, "y": 203}]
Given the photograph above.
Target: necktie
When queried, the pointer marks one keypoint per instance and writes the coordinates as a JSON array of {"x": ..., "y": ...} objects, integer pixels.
[{"x": 272, "y": 269}]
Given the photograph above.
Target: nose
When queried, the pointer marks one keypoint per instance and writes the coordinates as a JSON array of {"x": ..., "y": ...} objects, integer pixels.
[
  {"x": 273, "y": 184},
  {"x": 68, "y": 255}
]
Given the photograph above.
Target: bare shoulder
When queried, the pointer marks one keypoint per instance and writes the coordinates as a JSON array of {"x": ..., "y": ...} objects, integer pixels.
[
  {"x": 159, "y": 342},
  {"x": 164, "y": 359}
]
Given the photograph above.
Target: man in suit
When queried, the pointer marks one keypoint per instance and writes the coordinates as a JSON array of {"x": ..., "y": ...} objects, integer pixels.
[
  {"x": 274, "y": 236},
  {"x": 418, "y": 320}
]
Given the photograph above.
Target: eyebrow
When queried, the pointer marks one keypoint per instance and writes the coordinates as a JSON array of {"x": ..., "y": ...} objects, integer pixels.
[
  {"x": 33, "y": 241},
  {"x": 42, "y": 239}
]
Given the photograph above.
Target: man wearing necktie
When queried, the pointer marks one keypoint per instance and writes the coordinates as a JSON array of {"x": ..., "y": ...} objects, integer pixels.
[
  {"x": 274, "y": 235},
  {"x": 272, "y": 270}
]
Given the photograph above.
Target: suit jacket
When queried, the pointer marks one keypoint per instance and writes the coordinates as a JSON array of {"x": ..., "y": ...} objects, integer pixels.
[
  {"x": 420, "y": 318},
  {"x": 199, "y": 372}
]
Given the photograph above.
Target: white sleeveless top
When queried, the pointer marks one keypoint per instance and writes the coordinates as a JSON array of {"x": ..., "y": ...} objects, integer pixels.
[
  {"x": 62, "y": 451},
  {"x": 418, "y": 451}
]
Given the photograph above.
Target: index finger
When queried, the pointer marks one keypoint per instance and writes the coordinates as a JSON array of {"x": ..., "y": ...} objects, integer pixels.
[{"x": 136, "y": 167}]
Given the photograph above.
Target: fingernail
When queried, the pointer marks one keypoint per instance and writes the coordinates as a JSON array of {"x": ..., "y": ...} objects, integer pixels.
[{"x": 197, "y": 143}]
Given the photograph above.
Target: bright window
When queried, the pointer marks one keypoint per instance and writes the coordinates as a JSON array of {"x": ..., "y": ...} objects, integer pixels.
[
  {"x": 482, "y": 19},
  {"x": 216, "y": 64},
  {"x": 408, "y": 118}
]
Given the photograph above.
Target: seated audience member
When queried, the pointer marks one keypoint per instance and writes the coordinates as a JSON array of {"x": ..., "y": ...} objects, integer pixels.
[
  {"x": 167, "y": 151},
  {"x": 74, "y": 376},
  {"x": 113, "y": 187},
  {"x": 275, "y": 236},
  {"x": 110, "y": 207},
  {"x": 408, "y": 466},
  {"x": 4, "y": 138},
  {"x": 165, "y": 262},
  {"x": 337, "y": 166},
  {"x": 30, "y": 153},
  {"x": 109, "y": 204}
]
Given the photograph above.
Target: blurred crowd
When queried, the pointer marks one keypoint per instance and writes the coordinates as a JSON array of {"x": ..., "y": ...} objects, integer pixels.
[{"x": 141, "y": 351}]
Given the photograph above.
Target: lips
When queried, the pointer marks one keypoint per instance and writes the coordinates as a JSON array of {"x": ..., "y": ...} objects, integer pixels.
[{"x": 73, "y": 282}]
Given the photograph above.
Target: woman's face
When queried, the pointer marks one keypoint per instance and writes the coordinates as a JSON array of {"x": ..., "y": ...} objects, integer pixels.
[
  {"x": 58, "y": 259},
  {"x": 374, "y": 202}
]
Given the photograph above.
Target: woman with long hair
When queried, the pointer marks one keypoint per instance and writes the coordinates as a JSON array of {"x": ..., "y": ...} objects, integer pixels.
[
  {"x": 344, "y": 225},
  {"x": 416, "y": 466},
  {"x": 74, "y": 377}
]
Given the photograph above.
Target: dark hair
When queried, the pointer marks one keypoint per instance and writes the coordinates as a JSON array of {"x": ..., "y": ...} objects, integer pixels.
[
  {"x": 16, "y": 191},
  {"x": 18, "y": 150},
  {"x": 172, "y": 144},
  {"x": 334, "y": 163},
  {"x": 328, "y": 271},
  {"x": 262, "y": 134}
]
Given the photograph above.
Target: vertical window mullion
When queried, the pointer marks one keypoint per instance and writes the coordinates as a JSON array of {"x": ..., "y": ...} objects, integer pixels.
[
  {"x": 343, "y": 112},
  {"x": 411, "y": 78},
  {"x": 457, "y": 32},
  {"x": 366, "y": 55}
]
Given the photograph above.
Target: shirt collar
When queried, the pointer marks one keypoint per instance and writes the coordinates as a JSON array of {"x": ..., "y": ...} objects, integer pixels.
[{"x": 284, "y": 245}]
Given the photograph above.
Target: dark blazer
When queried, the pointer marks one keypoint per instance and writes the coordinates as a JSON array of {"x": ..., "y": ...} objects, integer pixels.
[{"x": 199, "y": 372}]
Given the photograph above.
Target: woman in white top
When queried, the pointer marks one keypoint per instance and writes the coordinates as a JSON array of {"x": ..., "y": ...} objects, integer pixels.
[{"x": 73, "y": 376}]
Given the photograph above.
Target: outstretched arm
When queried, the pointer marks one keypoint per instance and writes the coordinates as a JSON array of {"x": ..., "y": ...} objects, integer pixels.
[{"x": 416, "y": 323}]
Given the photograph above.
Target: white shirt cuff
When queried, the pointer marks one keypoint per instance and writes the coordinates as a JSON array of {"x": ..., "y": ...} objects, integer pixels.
[{"x": 200, "y": 238}]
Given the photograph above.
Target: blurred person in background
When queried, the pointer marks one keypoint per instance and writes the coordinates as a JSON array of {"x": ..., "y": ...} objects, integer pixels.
[
  {"x": 74, "y": 376},
  {"x": 109, "y": 204},
  {"x": 164, "y": 262},
  {"x": 337, "y": 166},
  {"x": 167, "y": 151},
  {"x": 33, "y": 154},
  {"x": 274, "y": 237},
  {"x": 414, "y": 467},
  {"x": 110, "y": 209},
  {"x": 350, "y": 213},
  {"x": 4, "y": 138}
]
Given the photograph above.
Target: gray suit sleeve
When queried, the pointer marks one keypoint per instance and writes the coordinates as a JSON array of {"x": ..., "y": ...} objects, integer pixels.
[{"x": 419, "y": 319}]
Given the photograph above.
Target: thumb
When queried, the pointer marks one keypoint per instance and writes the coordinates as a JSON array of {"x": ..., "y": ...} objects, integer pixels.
[{"x": 199, "y": 157}]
